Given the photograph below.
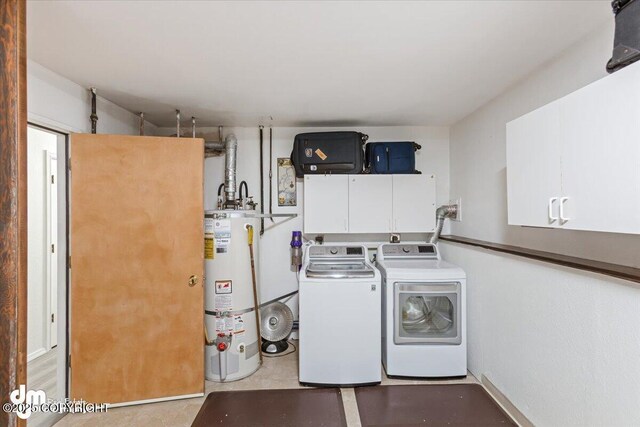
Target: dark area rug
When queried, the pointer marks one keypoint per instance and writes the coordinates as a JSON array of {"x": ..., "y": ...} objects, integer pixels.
[
  {"x": 429, "y": 405},
  {"x": 290, "y": 407}
]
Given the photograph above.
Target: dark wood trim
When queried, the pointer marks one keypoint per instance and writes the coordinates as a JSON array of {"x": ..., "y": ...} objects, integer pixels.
[
  {"x": 614, "y": 270},
  {"x": 13, "y": 202}
]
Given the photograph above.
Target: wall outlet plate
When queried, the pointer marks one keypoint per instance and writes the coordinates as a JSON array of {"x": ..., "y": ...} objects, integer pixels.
[{"x": 458, "y": 202}]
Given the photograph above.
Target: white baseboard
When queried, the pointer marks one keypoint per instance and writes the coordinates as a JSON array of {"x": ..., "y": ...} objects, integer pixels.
[
  {"x": 39, "y": 352},
  {"x": 161, "y": 399},
  {"x": 505, "y": 403}
]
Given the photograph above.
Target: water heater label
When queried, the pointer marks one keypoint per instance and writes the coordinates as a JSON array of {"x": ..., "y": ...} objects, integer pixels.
[
  {"x": 222, "y": 302},
  {"x": 222, "y": 234},
  {"x": 238, "y": 325},
  {"x": 224, "y": 287},
  {"x": 209, "y": 231},
  {"x": 224, "y": 324}
]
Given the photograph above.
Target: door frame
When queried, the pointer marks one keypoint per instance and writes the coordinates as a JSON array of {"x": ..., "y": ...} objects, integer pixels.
[
  {"x": 13, "y": 203},
  {"x": 62, "y": 248}
]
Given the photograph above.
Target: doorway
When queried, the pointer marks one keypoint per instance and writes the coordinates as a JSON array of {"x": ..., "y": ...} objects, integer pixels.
[{"x": 46, "y": 258}]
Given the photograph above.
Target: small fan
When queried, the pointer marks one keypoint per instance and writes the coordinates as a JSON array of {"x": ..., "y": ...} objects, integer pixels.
[{"x": 277, "y": 323}]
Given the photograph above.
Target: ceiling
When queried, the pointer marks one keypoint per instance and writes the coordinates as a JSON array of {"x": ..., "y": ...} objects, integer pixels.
[{"x": 304, "y": 63}]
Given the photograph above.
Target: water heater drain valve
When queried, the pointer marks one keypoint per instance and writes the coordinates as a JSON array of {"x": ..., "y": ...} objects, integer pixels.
[{"x": 223, "y": 341}]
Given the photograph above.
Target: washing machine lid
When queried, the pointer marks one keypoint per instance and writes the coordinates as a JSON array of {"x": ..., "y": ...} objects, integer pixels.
[
  {"x": 421, "y": 269},
  {"x": 339, "y": 269}
]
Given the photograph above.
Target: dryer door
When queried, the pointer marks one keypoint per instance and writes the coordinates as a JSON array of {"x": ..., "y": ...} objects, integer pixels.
[{"x": 427, "y": 313}]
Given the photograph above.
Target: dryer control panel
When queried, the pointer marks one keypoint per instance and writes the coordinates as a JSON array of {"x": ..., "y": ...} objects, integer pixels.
[{"x": 418, "y": 250}]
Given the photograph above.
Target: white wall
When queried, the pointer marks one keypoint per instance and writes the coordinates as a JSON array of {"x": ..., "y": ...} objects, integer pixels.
[
  {"x": 61, "y": 104},
  {"x": 563, "y": 345},
  {"x": 478, "y": 159},
  {"x": 38, "y": 142},
  {"x": 276, "y": 278}
]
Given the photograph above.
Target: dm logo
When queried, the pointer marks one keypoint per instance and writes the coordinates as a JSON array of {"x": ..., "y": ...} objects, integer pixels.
[
  {"x": 308, "y": 152},
  {"x": 26, "y": 400}
]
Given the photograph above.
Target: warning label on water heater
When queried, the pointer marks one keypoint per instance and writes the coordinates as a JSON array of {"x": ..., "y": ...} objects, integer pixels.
[
  {"x": 224, "y": 287},
  {"x": 223, "y": 298},
  {"x": 223, "y": 302},
  {"x": 209, "y": 252}
]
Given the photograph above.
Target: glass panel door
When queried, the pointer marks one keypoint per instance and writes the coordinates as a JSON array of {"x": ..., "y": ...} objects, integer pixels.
[{"x": 427, "y": 313}]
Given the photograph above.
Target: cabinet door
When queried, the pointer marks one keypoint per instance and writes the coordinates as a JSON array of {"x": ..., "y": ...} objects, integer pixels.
[
  {"x": 601, "y": 154},
  {"x": 370, "y": 203},
  {"x": 326, "y": 204},
  {"x": 533, "y": 168},
  {"x": 414, "y": 203}
]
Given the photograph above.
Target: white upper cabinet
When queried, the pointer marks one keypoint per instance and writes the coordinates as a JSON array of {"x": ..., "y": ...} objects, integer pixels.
[
  {"x": 414, "y": 203},
  {"x": 370, "y": 203},
  {"x": 533, "y": 171},
  {"x": 601, "y": 155},
  {"x": 578, "y": 159},
  {"x": 326, "y": 204}
]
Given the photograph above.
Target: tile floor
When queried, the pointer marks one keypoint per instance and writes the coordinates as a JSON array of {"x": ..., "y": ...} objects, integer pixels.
[{"x": 276, "y": 372}]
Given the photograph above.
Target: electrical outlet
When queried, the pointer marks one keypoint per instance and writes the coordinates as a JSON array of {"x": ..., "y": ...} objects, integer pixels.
[{"x": 457, "y": 202}]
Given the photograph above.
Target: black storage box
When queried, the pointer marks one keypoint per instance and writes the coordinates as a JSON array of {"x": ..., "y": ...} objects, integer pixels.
[{"x": 328, "y": 153}]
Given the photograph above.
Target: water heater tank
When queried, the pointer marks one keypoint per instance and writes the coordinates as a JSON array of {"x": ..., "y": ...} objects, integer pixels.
[{"x": 233, "y": 350}]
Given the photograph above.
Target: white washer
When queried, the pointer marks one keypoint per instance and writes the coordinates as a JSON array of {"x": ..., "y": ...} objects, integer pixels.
[
  {"x": 424, "y": 330},
  {"x": 340, "y": 319}
]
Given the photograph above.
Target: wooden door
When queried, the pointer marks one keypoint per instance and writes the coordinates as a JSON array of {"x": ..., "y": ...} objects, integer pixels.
[
  {"x": 533, "y": 168},
  {"x": 370, "y": 203},
  {"x": 136, "y": 237}
]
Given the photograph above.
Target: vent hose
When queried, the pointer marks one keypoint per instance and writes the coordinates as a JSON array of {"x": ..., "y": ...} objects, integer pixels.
[
  {"x": 443, "y": 212},
  {"x": 231, "y": 148}
]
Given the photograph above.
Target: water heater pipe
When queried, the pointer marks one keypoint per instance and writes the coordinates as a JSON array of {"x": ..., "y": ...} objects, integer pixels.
[
  {"x": 261, "y": 180},
  {"x": 443, "y": 212},
  {"x": 94, "y": 114},
  {"x": 141, "y": 123},
  {"x": 231, "y": 149},
  {"x": 177, "y": 123}
]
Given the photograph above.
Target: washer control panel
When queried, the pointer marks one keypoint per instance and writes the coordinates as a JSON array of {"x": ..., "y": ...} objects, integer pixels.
[
  {"x": 355, "y": 252},
  {"x": 422, "y": 250}
]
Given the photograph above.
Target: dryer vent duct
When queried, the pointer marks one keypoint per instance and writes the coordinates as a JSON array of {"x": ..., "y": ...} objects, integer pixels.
[{"x": 443, "y": 212}]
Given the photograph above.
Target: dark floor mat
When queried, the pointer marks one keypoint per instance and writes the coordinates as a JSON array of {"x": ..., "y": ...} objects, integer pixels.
[
  {"x": 430, "y": 405},
  {"x": 291, "y": 407}
]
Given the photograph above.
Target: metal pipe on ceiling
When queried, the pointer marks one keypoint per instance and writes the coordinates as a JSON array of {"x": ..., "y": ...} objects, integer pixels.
[
  {"x": 94, "y": 115},
  {"x": 141, "y": 115},
  {"x": 177, "y": 123}
]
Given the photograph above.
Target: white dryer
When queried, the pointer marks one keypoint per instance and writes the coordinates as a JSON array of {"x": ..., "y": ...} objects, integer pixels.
[
  {"x": 424, "y": 331},
  {"x": 340, "y": 319}
]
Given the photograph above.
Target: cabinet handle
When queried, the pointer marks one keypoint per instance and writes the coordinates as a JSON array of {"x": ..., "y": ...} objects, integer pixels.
[
  {"x": 552, "y": 218},
  {"x": 563, "y": 219}
]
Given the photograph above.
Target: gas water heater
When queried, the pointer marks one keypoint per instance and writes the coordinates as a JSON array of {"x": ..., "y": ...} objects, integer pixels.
[{"x": 231, "y": 269}]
